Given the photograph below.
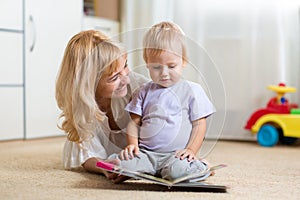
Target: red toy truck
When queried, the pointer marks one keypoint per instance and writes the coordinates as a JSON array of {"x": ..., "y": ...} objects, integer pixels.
[{"x": 279, "y": 121}]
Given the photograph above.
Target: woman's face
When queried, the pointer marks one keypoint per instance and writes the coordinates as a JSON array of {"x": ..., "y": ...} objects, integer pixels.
[{"x": 114, "y": 85}]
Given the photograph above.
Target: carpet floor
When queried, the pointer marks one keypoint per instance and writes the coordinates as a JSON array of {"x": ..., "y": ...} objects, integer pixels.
[{"x": 32, "y": 169}]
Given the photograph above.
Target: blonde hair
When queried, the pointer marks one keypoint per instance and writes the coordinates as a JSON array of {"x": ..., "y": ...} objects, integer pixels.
[
  {"x": 88, "y": 55},
  {"x": 164, "y": 36}
]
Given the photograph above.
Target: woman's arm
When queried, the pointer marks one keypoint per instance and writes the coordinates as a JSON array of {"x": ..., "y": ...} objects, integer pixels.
[{"x": 195, "y": 142}]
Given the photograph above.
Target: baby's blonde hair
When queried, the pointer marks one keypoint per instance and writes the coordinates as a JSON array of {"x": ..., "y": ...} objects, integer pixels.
[
  {"x": 88, "y": 55},
  {"x": 164, "y": 36}
]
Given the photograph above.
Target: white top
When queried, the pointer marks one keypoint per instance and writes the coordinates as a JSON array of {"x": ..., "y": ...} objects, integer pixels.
[
  {"x": 167, "y": 114},
  {"x": 105, "y": 140}
]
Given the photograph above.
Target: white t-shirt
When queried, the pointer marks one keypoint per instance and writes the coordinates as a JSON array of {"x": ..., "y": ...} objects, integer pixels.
[{"x": 167, "y": 114}]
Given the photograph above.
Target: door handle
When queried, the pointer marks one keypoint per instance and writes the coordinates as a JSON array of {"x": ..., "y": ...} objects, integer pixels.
[{"x": 31, "y": 20}]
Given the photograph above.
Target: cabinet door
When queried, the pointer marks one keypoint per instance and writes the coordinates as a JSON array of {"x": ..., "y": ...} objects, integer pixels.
[
  {"x": 11, "y": 15},
  {"x": 11, "y": 68},
  {"x": 48, "y": 27},
  {"x": 11, "y": 106}
]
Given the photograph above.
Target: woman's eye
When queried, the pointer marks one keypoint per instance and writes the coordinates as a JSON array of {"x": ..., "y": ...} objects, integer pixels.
[
  {"x": 156, "y": 67},
  {"x": 113, "y": 79},
  {"x": 172, "y": 66}
]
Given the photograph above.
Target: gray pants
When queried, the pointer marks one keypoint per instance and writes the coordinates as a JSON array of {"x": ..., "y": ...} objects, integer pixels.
[{"x": 165, "y": 165}]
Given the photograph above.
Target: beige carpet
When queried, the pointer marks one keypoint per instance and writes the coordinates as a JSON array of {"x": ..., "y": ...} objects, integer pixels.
[{"x": 32, "y": 170}]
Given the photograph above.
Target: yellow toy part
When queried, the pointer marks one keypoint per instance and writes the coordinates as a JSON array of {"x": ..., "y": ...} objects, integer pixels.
[
  {"x": 287, "y": 122},
  {"x": 281, "y": 88}
]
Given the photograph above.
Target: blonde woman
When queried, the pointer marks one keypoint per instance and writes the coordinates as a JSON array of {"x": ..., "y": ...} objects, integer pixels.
[{"x": 93, "y": 86}]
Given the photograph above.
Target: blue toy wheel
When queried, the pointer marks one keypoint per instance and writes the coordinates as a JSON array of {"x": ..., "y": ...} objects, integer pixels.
[{"x": 267, "y": 136}]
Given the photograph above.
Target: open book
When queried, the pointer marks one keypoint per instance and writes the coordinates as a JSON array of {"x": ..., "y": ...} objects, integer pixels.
[{"x": 191, "y": 180}]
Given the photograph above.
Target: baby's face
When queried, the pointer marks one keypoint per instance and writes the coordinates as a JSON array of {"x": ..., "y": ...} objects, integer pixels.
[{"x": 166, "y": 68}]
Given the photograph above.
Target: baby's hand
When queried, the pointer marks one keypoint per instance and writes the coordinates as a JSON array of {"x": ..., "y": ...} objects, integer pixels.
[
  {"x": 129, "y": 152},
  {"x": 185, "y": 153}
]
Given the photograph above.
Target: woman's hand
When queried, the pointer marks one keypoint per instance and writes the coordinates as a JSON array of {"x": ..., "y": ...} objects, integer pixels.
[
  {"x": 186, "y": 153},
  {"x": 129, "y": 152},
  {"x": 116, "y": 178},
  {"x": 90, "y": 166}
]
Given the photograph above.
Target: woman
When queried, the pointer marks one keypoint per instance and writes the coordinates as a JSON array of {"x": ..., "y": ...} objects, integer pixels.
[{"x": 93, "y": 87}]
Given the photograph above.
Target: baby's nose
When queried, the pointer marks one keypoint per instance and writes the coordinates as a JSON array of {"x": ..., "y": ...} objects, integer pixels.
[{"x": 165, "y": 70}]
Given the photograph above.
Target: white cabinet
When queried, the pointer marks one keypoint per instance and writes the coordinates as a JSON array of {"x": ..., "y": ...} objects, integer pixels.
[
  {"x": 11, "y": 85},
  {"x": 48, "y": 27},
  {"x": 107, "y": 26},
  {"x": 11, "y": 106},
  {"x": 11, "y": 51},
  {"x": 11, "y": 70},
  {"x": 33, "y": 35},
  {"x": 11, "y": 15}
]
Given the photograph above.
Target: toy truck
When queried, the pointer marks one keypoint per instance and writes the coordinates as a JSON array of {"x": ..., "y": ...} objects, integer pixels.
[{"x": 278, "y": 122}]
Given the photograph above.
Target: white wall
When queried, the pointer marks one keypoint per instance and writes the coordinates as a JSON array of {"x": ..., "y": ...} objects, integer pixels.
[{"x": 236, "y": 49}]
